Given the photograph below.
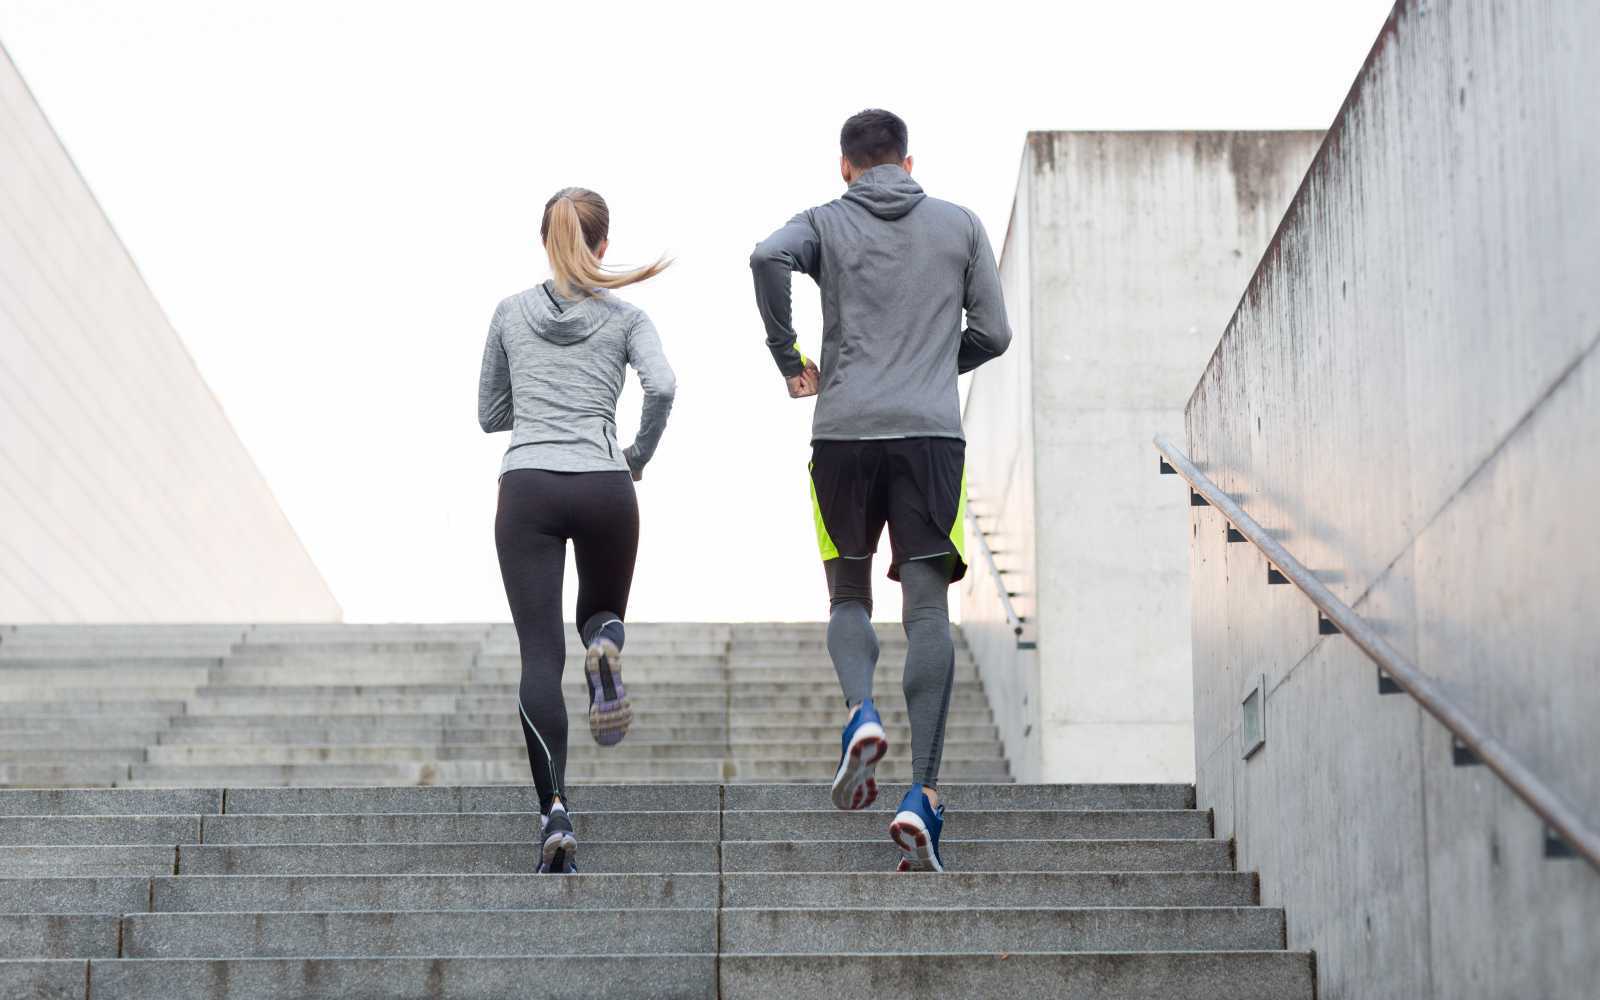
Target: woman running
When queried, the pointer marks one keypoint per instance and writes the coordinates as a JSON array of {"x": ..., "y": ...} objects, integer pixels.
[{"x": 552, "y": 370}]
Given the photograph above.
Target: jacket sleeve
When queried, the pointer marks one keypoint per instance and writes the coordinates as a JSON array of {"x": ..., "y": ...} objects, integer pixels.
[
  {"x": 795, "y": 247},
  {"x": 494, "y": 383},
  {"x": 660, "y": 386},
  {"x": 988, "y": 334}
]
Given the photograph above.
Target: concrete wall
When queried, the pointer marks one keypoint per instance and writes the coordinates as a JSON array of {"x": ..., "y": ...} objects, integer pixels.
[
  {"x": 124, "y": 493},
  {"x": 999, "y": 422},
  {"x": 1135, "y": 246},
  {"x": 1408, "y": 397}
]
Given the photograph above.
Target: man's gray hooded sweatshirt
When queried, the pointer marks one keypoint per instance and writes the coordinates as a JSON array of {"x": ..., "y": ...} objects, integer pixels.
[
  {"x": 896, "y": 269},
  {"x": 552, "y": 371}
]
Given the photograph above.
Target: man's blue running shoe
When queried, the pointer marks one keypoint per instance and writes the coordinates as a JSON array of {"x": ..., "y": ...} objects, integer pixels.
[
  {"x": 915, "y": 831},
  {"x": 861, "y": 747}
]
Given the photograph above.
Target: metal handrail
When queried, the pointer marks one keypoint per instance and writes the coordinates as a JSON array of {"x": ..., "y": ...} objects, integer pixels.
[
  {"x": 1429, "y": 693},
  {"x": 1013, "y": 619}
]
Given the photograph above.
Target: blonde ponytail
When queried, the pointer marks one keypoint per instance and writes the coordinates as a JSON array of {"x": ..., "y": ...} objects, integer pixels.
[{"x": 576, "y": 222}]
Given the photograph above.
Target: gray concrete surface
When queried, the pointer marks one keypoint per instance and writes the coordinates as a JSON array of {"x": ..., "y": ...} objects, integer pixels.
[
  {"x": 723, "y": 850},
  {"x": 1125, "y": 255},
  {"x": 1406, "y": 399},
  {"x": 332, "y": 705}
]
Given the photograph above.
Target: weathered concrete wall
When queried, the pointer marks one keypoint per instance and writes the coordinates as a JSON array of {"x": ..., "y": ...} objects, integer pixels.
[
  {"x": 1407, "y": 397},
  {"x": 124, "y": 493},
  {"x": 1137, "y": 244},
  {"x": 999, "y": 426}
]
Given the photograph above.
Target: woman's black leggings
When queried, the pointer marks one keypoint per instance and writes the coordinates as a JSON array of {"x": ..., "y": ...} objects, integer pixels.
[{"x": 539, "y": 512}]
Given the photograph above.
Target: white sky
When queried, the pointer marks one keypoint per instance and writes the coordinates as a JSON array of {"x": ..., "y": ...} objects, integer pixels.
[{"x": 329, "y": 198}]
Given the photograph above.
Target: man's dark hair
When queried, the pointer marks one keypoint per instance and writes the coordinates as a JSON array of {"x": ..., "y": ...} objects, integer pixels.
[{"x": 872, "y": 137}]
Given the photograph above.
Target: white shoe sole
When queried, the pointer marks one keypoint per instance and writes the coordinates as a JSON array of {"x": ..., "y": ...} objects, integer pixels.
[
  {"x": 558, "y": 847},
  {"x": 854, "y": 784},
  {"x": 910, "y": 834},
  {"x": 608, "y": 719}
]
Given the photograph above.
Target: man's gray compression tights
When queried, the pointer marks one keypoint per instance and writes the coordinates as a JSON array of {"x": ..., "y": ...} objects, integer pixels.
[{"x": 930, "y": 656}]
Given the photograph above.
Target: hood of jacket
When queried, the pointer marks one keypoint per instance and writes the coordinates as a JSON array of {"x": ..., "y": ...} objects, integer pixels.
[
  {"x": 886, "y": 191},
  {"x": 562, "y": 321}
]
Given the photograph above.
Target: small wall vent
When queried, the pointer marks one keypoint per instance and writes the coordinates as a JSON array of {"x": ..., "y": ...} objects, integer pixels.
[{"x": 1253, "y": 724}]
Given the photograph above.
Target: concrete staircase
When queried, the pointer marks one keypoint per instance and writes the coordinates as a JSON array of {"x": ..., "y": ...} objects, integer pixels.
[
  {"x": 435, "y": 704},
  {"x": 702, "y": 877}
]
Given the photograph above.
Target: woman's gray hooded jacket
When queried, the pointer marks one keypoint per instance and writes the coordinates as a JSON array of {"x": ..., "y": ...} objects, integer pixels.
[{"x": 552, "y": 371}]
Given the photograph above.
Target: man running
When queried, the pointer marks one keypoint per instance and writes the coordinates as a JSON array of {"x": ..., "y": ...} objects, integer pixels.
[{"x": 896, "y": 269}]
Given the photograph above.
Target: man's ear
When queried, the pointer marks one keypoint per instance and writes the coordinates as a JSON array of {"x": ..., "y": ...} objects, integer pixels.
[
  {"x": 907, "y": 163},
  {"x": 846, "y": 171}
]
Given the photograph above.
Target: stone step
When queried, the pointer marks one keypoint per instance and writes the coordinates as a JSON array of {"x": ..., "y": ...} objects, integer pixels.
[
  {"x": 422, "y": 933},
  {"x": 658, "y": 672},
  {"x": 605, "y": 797},
  {"x": 107, "y": 752},
  {"x": 348, "y": 705},
  {"x": 314, "y": 631},
  {"x": 37, "y": 723},
  {"x": 520, "y": 857},
  {"x": 39, "y": 861},
  {"x": 542, "y": 977},
  {"x": 504, "y": 714},
  {"x": 100, "y": 829},
  {"x": 59, "y": 935},
  {"x": 99, "y": 653},
  {"x": 110, "y": 802},
  {"x": 259, "y": 893},
  {"x": 1250, "y": 975},
  {"x": 427, "y": 828},
  {"x": 987, "y": 855},
  {"x": 18, "y": 669},
  {"x": 871, "y": 890},
  {"x": 377, "y": 663},
  {"x": 984, "y": 824},
  {"x": 376, "y": 753},
  {"x": 580, "y": 749},
  {"x": 253, "y": 893},
  {"x": 716, "y": 652},
  {"x": 124, "y": 894},
  {"x": 958, "y": 796},
  {"x": 115, "y": 708},
  {"x": 468, "y": 799},
  {"x": 62, "y": 775},
  {"x": 101, "y": 674},
  {"x": 638, "y": 734},
  {"x": 893, "y": 768},
  {"x": 936, "y": 930},
  {"x": 877, "y": 855},
  {"x": 667, "y": 696},
  {"x": 254, "y": 649},
  {"x": 888, "y": 889},
  {"x": 43, "y": 741},
  {"x": 453, "y": 827},
  {"x": 649, "y": 931},
  {"x": 1238, "y": 975}
]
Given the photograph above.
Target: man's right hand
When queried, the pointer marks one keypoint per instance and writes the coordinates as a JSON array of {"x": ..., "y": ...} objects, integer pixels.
[{"x": 806, "y": 383}]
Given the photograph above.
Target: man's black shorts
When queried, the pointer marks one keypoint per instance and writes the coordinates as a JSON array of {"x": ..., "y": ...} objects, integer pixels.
[{"x": 915, "y": 485}]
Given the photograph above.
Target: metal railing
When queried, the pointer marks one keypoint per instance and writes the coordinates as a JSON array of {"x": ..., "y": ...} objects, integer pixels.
[
  {"x": 1560, "y": 817},
  {"x": 981, "y": 542}
]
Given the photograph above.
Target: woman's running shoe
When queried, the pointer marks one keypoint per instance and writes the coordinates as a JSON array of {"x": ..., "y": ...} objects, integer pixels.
[
  {"x": 559, "y": 853},
  {"x": 915, "y": 830},
  {"x": 861, "y": 747},
  {"x": 609, "y": 711}
]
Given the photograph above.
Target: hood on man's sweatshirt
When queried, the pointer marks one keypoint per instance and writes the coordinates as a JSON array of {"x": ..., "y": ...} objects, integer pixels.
[
  {"x": 886, "y": 191},
  {"x": 562, "y": 321}
]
